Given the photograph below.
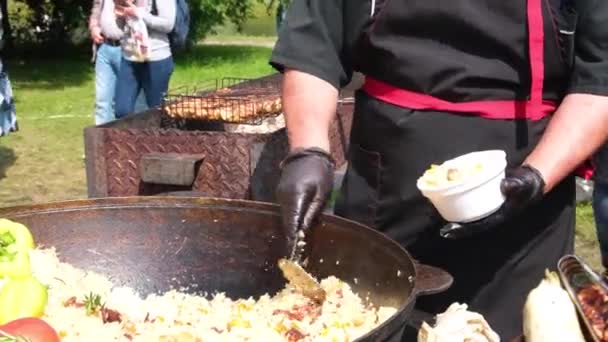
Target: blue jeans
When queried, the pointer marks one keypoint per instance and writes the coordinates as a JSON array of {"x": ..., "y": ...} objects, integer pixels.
[
  {"x": 107, "y": 66},
  {"x": 8, "y": 114},
  {"x": 153, "y": 77},
  {"x": 600, "y": 211}
]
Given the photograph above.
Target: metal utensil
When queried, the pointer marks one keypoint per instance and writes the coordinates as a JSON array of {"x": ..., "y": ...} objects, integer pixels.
[
  {"x": 297, "y": 276},
  {"x": 302, "y": 280},
  {"x": 577, "y": 275}
]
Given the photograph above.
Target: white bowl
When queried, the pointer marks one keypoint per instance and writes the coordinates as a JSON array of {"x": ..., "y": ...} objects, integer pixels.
[{"x": 474, "y": 198}]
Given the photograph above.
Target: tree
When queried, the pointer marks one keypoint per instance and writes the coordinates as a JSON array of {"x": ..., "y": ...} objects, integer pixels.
[
  {"x": 64, "y": 22},
  {"x": 208, "y": 14},
  {"x": 6, "y": 26}
]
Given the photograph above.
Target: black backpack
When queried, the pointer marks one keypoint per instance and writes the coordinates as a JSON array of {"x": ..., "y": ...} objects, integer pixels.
[{"x": 178, "y": 37}]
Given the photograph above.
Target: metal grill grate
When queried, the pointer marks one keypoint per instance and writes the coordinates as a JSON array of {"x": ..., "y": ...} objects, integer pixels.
[{"x": 227, "y": 100}]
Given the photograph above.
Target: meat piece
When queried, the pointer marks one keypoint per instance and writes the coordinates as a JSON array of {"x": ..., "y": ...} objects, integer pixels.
[
  {"x": 73, "y": 302},
  {"x": 310, "y": 310},
  {"x": 294, "y": 316},
  {"x": 594, "y": 302},
  {"x": 110, "y": 316},
  {"x": 70, "y": 302},
  {"x": 233, "y": 109},
  {"x": 294, "y": 335}
]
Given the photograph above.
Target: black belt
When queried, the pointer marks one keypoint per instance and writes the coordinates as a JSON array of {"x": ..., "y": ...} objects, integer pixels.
[{"x": 112, "y": 42}]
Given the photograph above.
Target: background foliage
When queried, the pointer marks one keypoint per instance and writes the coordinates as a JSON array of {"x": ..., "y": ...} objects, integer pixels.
[{"x": 49, "y": 24}]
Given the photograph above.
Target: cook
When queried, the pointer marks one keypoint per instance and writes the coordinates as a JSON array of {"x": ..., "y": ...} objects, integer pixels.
[{"x": 445, "y": 78}]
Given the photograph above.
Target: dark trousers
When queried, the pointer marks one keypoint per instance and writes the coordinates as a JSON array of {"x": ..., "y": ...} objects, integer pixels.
[
  {"x": 493, "y": 272},
  {"x": 600, "y": 213},
  {"x": 152, "y": 77}
]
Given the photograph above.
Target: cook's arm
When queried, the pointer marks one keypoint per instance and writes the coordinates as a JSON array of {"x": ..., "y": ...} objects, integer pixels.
[
  {"x": 310, "y": 53},
  {"x": 576, "y": 131},
  {"x": 580, "y": 125},
  {"x": 308, "y": 125}
]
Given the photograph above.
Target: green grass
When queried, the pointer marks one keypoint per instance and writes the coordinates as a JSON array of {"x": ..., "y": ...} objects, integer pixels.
[
  {"x": 260, "y": 26},
  {"x": 44, "y": 160},
  {"x": 586, "y": 239},
  {"x": 585, "y": 222},
  {"x": 212, "y": 62},
  {"x": 240, "y": 39}
]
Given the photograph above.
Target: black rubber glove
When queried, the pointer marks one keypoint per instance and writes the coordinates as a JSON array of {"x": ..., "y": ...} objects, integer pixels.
[
  {"x": 305, "y": 185},
  {"x": 522, "y": 187}
]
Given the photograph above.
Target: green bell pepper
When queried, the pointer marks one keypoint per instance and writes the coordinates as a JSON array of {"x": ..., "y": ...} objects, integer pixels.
[
  {"x": 22, "y": 298},
  {"x": 18, "y": 233},
  {"x": 15, "y": 243}
]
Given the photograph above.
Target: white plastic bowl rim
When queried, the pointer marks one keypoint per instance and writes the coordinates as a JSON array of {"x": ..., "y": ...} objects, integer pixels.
[{"x": 494, "y": 163}]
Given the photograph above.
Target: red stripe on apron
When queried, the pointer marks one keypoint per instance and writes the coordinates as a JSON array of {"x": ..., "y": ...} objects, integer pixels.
[{"x": 533, "y": 109}]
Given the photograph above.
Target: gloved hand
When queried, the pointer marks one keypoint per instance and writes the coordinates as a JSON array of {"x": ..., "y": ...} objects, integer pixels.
[
  {"x": 522, "y": 187},
  {"x": 305, "y": 185}
]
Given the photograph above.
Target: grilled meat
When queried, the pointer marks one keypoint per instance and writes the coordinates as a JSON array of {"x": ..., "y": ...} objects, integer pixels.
[{"x": 594, "y": 302}]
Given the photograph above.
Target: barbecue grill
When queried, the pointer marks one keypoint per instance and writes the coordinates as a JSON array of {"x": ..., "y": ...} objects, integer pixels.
[{"x": 185, "y": 146}]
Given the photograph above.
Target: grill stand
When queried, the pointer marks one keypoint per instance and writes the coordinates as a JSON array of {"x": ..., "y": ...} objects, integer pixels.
[{"x": 216, "y": 162}]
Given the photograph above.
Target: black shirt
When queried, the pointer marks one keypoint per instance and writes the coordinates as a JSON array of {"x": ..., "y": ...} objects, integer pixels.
[{"x": 462, "y": 50}]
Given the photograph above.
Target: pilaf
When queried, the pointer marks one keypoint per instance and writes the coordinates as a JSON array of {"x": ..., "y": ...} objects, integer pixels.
[{"x": 75, "y": 296}]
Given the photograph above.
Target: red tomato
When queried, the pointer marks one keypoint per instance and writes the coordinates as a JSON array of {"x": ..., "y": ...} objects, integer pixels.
[{"x": 34, "y": 329}]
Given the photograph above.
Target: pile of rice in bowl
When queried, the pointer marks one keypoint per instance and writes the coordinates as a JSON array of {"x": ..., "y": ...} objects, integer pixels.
[{"x": 84, "y": 306}]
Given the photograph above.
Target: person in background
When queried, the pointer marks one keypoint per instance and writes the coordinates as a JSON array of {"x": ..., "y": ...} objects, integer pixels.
[
  {"x": 154, "y": 72},
  {"x": 600, "y": 202},
  {"x": 8, "y": 116},
  {"x": 107, "y": 56},
  {"x": 280, "y": 18}
]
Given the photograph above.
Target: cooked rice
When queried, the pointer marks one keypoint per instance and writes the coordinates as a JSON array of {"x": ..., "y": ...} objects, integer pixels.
[{"x": 178, "y": 316}]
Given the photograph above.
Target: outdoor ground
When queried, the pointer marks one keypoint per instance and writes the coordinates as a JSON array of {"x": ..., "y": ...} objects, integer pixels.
[
  {"x": 44, "y": 160},
  {"x": 54, "y": 99}
]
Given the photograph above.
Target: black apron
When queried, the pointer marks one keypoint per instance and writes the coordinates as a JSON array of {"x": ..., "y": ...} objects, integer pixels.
[
  {"x": 493, "y": 272},
  {"x": 459, "y": 51}
]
